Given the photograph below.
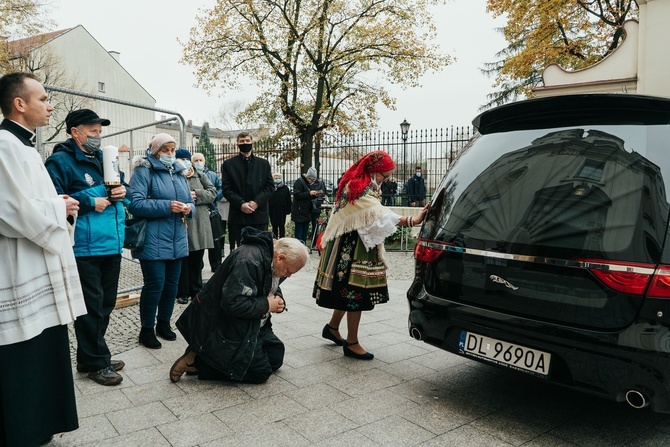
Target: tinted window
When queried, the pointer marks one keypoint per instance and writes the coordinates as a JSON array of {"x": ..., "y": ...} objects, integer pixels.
[{"x": 591, "y": 191}]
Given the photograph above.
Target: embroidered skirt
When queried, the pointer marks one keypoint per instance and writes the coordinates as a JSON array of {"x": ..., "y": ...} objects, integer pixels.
[{"x": 349, "y": 277}]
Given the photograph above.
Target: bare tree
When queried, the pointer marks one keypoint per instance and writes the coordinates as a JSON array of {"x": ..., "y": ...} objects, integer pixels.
[{"x": 32, "y": 56}]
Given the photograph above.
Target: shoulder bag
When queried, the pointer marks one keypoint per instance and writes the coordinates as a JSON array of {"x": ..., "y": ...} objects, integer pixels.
[{"x": 136, "y": 227}]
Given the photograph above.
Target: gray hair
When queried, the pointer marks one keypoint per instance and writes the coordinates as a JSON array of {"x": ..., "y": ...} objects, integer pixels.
[{"x": 295, "y": 251}]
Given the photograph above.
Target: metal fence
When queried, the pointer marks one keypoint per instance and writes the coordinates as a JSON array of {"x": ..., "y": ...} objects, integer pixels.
[{"x": 433, "y": 150}]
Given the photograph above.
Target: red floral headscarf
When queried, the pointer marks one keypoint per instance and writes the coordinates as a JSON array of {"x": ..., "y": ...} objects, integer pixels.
[{"x": 357, "y": 177}]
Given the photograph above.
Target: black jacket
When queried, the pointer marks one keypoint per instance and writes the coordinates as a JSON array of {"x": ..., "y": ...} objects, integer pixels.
[
  {"x": 243, "y": 181},
  {"x": 280, "y": 206},
  {"x": 301, "y": 209},
  {"x": 222, "y": 323},
  {"x": 416, "y": 189}
]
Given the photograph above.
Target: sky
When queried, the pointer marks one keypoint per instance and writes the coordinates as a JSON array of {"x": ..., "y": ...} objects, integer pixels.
[{"x": 145, "y": 33}]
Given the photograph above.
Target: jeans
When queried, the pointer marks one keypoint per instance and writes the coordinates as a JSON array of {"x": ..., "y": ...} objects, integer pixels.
[
  {"x": 99, "y": 276},
  {"x": 161, "y": 279}
]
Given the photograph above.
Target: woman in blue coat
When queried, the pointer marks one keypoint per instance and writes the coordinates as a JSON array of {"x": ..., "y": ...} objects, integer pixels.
[{"x": 159, "y": 192}]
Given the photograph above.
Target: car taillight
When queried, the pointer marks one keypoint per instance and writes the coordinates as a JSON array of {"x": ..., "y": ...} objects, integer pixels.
[
  {"x": 425, "y": 253},
  {"x": 631, "y": 277},
  {"x": 660, "y": 284}
]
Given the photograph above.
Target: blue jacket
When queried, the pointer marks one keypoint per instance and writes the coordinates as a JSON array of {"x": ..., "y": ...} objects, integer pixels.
[
  {"x": 166, "y": 237},
  {"x": 80, "y": 177}
]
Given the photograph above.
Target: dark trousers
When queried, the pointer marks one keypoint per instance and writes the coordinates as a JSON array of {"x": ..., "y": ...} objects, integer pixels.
[
  {"x": 314, "y": 220},
  {"x": 268, "y": 357},
  {"x": 216, "y": 254},
  {"x": 235, "y": 232},
  {"x": 279, "y": 231},
  {"x": 99, "y": 276},
  {"x": 190, "y": 277},
  {"x": 161, "y": 279},
  {"x": 301, "y": 230}
]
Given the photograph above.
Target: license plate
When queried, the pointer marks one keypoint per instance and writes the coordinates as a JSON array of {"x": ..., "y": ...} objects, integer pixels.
[{"x": 506, "y": 354}]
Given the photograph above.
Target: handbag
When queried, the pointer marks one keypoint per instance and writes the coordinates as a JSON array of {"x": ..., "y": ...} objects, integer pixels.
[
  {"x": 136, "y": 231},
  {"x": 136, "y": 227},
  {"x": 217, "y": 225}
]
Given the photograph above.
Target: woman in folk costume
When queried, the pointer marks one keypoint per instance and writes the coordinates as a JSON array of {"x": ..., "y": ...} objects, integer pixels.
[{"x": 352, "y": 273}]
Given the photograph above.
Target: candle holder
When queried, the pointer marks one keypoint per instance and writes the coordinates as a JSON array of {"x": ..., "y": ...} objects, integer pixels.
[{"x": 110, "y": 170}]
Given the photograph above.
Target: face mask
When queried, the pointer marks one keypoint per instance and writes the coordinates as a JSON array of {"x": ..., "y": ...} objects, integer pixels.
[
  {"x": 418, "y": 174},
  {"x": 199, "y": 165},
  {"x": 168, "y": 160},
  {"x": 93, "y": 143},
  {"x": 187, "y": 164},
  {"x": 373, "y": 182},
  {"x": 277, "y": 181},
  {"x": 246, "y": 147}
]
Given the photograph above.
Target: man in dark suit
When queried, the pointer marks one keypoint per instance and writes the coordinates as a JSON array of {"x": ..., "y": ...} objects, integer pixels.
[{"x": 247, "y": 183}]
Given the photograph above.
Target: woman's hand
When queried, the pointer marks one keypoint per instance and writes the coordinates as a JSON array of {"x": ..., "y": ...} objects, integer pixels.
[
  {"x": 422, "y": 214},
  {"x": 178, "y": 207}
]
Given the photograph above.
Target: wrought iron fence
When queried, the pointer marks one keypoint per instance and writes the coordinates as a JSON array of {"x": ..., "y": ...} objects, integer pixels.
[{"x": 433, "y": 150}]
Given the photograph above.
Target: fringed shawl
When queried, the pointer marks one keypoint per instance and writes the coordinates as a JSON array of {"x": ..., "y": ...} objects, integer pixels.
[{"x": 347, "y": 216}]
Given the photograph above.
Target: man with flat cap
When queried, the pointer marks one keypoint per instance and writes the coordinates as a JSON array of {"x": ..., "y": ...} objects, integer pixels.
[{"x": 75, "y": 168}]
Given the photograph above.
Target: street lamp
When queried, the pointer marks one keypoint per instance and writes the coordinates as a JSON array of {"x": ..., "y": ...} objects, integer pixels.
[{"x": 404, "y": 130}]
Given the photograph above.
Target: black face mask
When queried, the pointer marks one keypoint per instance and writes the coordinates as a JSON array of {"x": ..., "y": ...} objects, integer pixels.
[{"x": 246, "y": 147}]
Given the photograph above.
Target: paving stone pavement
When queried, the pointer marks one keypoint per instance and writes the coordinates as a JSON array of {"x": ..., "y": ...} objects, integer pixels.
[{"x": 411, "y": 394}]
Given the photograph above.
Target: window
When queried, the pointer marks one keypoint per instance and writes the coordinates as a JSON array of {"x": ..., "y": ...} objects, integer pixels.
[
  {"x": 592, "y": 170},
  {"x": 101, "y": 87}
]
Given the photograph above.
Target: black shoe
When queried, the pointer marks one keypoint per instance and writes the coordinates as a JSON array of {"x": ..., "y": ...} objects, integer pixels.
[
  {"x": 349, "y": 353},
  {"x": 106, "y": 376},
  {"x": 164, "y": 331},
  {"x": 182, "y": 299},
  {"x": 330, "y": 336},
  {"x": 117, "y": 365},
  {"x": 148, "y": 338}
]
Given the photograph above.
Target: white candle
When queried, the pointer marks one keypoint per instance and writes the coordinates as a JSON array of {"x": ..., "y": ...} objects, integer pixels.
[{"x": 110, "y": 165}]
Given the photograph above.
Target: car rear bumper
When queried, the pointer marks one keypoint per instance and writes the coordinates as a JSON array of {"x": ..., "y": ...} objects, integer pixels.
[{"x": 588, "y": 361}]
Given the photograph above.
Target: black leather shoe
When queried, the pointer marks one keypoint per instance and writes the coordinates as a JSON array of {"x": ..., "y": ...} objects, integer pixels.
[
  {"x": 182, "y": 299},
  {"x": 163, "y": 330},
  {"x": 148, "y": 338},
  {"x": 330, "y": 336},
  {"x": 349, "y": 353},
  {"x": 106, "y": 376},
  {"x": 117, "y": 365}
]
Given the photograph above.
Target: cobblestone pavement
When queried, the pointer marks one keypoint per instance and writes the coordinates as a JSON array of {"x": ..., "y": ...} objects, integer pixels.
[{"x": 411, "y": 394}]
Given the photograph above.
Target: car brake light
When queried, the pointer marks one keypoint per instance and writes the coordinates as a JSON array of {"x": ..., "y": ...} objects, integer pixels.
[
  {"x": 425, "y": 253},
  {"x": 630, "y": 277},
  {"x": 660, "y": 284}
]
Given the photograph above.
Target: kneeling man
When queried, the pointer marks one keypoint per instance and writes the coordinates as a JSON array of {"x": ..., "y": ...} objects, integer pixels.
[{"x": 228, "y": 326}]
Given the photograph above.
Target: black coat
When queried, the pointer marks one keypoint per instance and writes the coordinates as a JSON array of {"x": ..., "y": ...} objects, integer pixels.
[
  {"x": 280, "y": 206},
  {"x": 242, "y": 182},
  {"x": 301, "y": 210},
  {"x": 416, "y": 189},
  {"x": 222, "y": 323}
]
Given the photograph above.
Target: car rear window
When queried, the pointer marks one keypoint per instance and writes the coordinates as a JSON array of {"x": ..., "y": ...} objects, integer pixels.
[{"x": 588, "y": 191}]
